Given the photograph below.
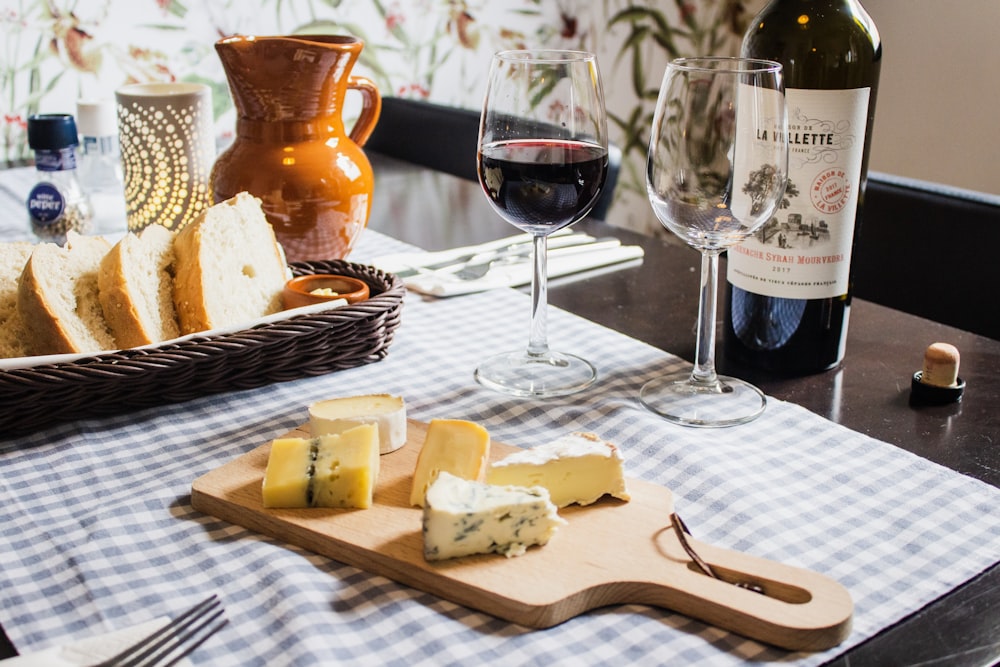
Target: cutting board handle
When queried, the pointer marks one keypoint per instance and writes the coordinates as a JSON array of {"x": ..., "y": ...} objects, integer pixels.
[{"x": 798, "y": 610}]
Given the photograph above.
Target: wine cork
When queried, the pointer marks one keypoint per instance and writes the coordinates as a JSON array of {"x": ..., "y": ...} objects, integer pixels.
[
  {"x": 938, "y": 383},
  {"x": 941, "y": 362}
]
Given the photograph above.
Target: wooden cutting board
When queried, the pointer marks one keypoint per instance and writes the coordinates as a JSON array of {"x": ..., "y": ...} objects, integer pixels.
[{"x": 611, "y": 552}]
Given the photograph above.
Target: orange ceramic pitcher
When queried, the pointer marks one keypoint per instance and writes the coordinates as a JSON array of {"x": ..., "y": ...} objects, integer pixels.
[{"x": 291, "y": 149}]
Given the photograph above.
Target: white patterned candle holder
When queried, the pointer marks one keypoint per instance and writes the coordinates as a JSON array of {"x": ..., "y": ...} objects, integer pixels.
[{"x": 167, "y": 137}]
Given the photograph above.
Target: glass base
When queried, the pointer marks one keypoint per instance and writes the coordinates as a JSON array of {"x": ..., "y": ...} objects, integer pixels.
[
  {"x": 524, "y": 374},
  {"x": 683, "y": 400}
]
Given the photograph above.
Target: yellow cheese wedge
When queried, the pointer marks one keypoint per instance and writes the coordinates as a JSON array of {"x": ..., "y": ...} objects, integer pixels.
[
  {"x": 328, "y": 471},
  {"x": 452, "y": 445},
  {"x": 576, "y": 468},
  {"x": 287, "y": 479},
  {"x": 337, "y": 415}
]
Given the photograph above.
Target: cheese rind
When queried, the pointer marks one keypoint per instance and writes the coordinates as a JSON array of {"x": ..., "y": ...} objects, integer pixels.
[
  {"x": 336, "y": 415},
  {"x": 452, "y": 445},
  {"x": 577, "y": 468},
  {"x": 464, "y": 517},
  {"x": 328, "y": 471}
]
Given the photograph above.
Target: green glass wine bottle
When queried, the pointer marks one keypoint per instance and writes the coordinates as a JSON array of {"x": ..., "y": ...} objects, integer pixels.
[{"x": 789, "y": 286}]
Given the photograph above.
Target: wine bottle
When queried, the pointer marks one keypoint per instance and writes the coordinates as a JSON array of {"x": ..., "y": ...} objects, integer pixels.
[{"x": 789, "y": 293}]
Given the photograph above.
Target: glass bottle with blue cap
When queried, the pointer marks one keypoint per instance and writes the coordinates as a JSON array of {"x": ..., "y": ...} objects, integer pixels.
[{"x": 56, "y": 204}]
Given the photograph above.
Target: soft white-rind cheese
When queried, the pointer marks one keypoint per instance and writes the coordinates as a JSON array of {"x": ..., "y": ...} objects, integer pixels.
[
  {"x": 576, "y": 468},
  {"x": 336, "y": 415},
  {"x": 464, "y": 517},
  {"x": 452, "y": 445}
]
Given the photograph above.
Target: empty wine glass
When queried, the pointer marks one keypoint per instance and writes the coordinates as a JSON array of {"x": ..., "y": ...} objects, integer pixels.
[
  {"x": 543, "y": 161},
  {"x": 716, "y": 171}
]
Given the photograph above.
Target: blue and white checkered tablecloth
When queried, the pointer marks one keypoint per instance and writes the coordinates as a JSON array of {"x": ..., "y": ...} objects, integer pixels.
[{"x": 97, "y": 529}]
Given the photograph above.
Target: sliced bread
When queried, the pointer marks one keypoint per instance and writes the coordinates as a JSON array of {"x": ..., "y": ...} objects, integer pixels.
[
  {"x": 13, "y": 257},
  {"x": 58, "y": 297},
  {"x": 136, "y": 284},
  {"x": 230, "y": 268}
]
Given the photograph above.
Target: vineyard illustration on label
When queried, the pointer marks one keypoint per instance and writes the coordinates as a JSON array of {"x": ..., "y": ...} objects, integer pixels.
[{"x": 806, "y": 225}]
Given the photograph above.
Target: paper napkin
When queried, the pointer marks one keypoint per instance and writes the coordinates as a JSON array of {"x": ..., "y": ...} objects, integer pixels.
[
  {"x": 90, "y": 650},
  {"x": 563, "y": 263},
  {"x": 405, "y": 263}
]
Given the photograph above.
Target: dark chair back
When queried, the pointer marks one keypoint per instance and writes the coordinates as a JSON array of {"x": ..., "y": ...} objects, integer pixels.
[
  {"x": 930, "y": 250},
  {"x": 445, "y": 139}
]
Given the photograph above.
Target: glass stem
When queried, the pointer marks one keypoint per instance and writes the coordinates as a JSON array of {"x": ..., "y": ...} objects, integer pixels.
[
  {"x": 537, "y": 338},
  {"x": 704, "y": 367}
]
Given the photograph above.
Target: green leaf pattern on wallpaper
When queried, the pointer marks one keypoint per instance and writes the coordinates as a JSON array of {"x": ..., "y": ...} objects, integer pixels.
[{"x": 57, "y": 51}]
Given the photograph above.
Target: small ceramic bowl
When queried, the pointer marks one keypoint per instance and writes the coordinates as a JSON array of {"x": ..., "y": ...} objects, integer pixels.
[{"x": 307, "y": 290}]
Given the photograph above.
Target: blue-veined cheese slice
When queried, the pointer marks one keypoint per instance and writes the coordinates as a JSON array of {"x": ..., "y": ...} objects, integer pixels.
[
  {"x": 329, "y": 471},
  {"x": 452, "y": 445},
  {"x": 576, "y": 468},
  {"x": 464, "y": 517},
  {"x": 336, "y": 415}
]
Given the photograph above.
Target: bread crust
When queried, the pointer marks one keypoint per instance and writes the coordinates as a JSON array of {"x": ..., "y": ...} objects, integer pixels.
[
  {"x": 40, "y": 320},
  {"x": 192, "y": 315},
  {"x": 119, "y": 309},
  {"x": 48, "y": 332},
  {"x": 198, "y": 271},
  {"x": 120, "y": 300},
  {"x": 42, "y": 323},
  {"x": 13, "y": 336}
]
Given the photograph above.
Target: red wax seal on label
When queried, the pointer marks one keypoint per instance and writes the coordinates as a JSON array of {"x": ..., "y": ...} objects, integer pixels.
[{"x": 830, "y": 190}]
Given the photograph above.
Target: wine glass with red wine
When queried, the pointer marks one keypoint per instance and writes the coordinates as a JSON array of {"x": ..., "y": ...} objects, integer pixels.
[
  {"x": 543, "y": 162},
  {"x": 715, "y": 174}
]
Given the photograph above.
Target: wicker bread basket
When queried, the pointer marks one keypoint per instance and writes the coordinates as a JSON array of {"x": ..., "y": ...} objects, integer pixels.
[{"x": 117, "y": 382}]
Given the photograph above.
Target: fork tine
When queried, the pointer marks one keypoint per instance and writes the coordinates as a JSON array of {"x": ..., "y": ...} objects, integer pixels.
[
  {"x": 171, "y": 636},
  {"x": 186, "y": 649}
]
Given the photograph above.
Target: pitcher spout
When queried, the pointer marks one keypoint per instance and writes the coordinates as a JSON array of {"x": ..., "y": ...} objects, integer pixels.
[{"x": 274, "y": 78}]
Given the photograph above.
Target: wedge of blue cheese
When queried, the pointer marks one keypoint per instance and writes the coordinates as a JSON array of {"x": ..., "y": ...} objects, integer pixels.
[
  {"x": 575, "y": 468},
  {"x": 329, "y": 471},
  {"x": 464, "y": 517}
]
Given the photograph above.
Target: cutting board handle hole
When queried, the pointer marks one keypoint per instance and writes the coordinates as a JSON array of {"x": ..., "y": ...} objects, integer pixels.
[{"x": 778, "y": 590}]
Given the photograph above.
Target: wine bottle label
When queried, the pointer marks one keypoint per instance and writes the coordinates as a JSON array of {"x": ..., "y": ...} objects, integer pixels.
[{"x": 804, "y": 250}]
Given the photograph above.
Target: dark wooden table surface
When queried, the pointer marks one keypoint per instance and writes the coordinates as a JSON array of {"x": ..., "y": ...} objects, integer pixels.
[{"x": 657, "y": 302}]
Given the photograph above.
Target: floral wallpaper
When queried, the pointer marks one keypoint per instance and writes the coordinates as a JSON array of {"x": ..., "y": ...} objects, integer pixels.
[{"x": 57, "y": 51}]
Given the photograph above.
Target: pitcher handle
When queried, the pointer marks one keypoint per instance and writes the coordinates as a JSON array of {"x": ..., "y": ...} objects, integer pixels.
[{"x": 371, "y": 107}]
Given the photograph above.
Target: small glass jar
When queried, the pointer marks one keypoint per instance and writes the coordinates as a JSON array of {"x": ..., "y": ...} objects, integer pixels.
[
  {"x": 56, "y": 204},
  {"x": 100, "y": 165}
]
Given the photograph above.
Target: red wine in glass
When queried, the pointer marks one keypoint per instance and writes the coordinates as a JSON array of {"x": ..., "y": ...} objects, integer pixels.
[
  {"x": 542, "y": 161},
  {"x": 541, "y": 186}
]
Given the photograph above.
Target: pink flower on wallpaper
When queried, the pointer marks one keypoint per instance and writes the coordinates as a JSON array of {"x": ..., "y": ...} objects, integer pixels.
[
  {"x": 10, "y": 15},
  {"x": 171, "y": 7},
  {"x": 413, "y": 90},
  {"x": 557, "y": 110},
  {"x": 143, "y": 65},
  {"x": 15, "y": 120},
  {"x": 569, "y": 25},
  {"x": 394, "y": 18}
]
